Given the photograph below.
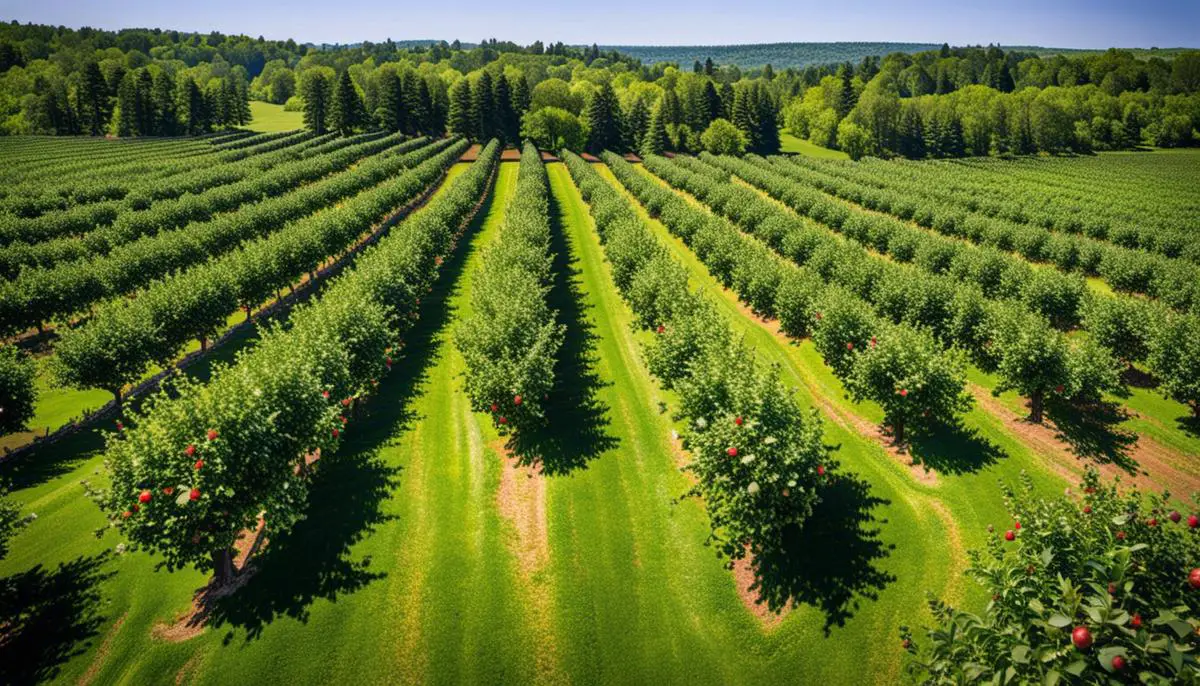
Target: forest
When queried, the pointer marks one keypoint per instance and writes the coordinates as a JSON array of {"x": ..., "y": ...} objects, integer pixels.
[{"x": 946, "y": 102}]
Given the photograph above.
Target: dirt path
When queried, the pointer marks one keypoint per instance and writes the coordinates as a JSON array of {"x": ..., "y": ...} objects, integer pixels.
[{"x": 521, "y": 499}]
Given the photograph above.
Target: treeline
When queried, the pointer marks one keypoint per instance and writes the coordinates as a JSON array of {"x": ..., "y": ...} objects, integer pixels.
[{"x": 975, "y": 101}]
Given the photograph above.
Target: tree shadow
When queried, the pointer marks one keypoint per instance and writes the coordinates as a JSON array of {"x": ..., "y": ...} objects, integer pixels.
[
  {"x": 1133, "y": 377},
  {"x": 47, "y": 617},
  {"x": 1189, "y": 424},
  {"x": 831, "y": 562},
  {"x": 953, "y": 448},
  {"x": 576, "y": 420},
  {"x": 1091, "y": 430},
  {"x": 313, "y": 559}
]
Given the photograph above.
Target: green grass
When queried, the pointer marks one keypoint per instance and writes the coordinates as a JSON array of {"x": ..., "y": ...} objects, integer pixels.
[
  {"x": 268, "y": 117},
  {"x": 792, "y": 144}
]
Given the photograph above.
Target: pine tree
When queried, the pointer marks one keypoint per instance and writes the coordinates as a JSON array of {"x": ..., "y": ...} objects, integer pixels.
[
  {"x": 193, "y": 108},
  {"x": 166, "y": 118},
  {"x": 745, "y": 116},
  {"x": 846, "y": 99},
  {"x": 521, "y": 97},
  {"x": 243, "y": 102},
  {"x": 637, "y": 120},
  {"x": 145, "y": 103},
  {"x": 392, "y": 114},
  {"x": 431, "y": 120},
  {"x": 126, "y": 112},
  {"x": 604, "y": 120},
  {"x": 769, "y": 73},
  {"x": 697, "y": 68},
  {"x": 727, "y": 101},
  {"x": 346, "y": 113},
  {"x": 461, "y": 119},
  {"x": 911, "y": 134},
  {"x": 417, "y": 103},
  {"x": 315, "y": 91},
  {"x": 712, "y": 103},
  {"x": 708, "y": 66},
  {"x": 945, "y": 51},
  {"x": 93, "y": 100},
  {"x": 767, "y": 123},
  {"x": 509, "y": 127},
  {"x": 655, "y": 141},
  {"x": 484, "y": 108},
  {"x": 672, "y": 113}
]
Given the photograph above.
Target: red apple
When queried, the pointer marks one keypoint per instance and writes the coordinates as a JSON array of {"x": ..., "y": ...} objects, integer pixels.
[
  {"x": 820, "y": 470},
  {"x": 1175, "y": 516},
  {"x": 1136, "y": 621},
  {"x": 1009, "y": 535},
  {"x": 120, "y": 426},
  {"x": 818, "y": 316},
  {"x": 1152, "y": 522},
  {"x": 1194, "y": 578},
  {"x": 1118, "y": 663},
  {"x": 738, "y": 421},
  {"x": 660, "y": 328},
  {"x": 516, "y": 400},
  {"x": 1017, "y": 525},
  {"x": 199, "y": 464},
  {"x": 194, "y": 494},
  {"x": 504, "y": 420},
  {"x": 903, "y": 392},
  {"x": 786, "y": 492},
  {"x": 849, "y": 346},
  {"x": 168, "y": 490},
  {"x": 1081, "y": 637},
  {"x": 1112, "y": 589},
  {"x": 325, "y": 395},
  {"x": 731, "y": 451},
  {"x": 494, "y": 407},
  {"x": 343, "y": 418},
  {"x": 1087, "y": 509},
  {"x": 144, "y": 497},
  {"x": 345, "y": 402},
  {"x": 873, "y": 342},
  {"x": 190, "y": 450},
  {"x": 126, "y": 514},
  {"x": 1058, "y": 389},
  {"x": 1120, "y": 535},
  {"x": 335, "y": 433},
  {"x": 212, "y": 434}
]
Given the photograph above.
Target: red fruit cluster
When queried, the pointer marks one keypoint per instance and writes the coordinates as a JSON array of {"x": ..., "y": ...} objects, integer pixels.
[
  {"x": 731, "y": 451},
  {"x": 738, "y": 421}
]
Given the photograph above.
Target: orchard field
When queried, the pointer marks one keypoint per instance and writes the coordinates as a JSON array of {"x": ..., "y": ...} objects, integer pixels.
[{"x": 314, "y": 408}]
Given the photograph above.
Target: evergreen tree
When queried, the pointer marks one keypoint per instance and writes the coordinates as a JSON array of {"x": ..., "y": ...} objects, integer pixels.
[
  {"x": 697, "y": 68},
  {"x": 1005, "y": 84},
  {"x": 846, "y": 99},
  {"x": 509, "y": 127},
  {"x": 637, "y": 120},
  {"x": 727, "y": 101},
  {"x": 604, "y": 120},
  {"x": 672, "y": 113},
  {"x": 431, "y": 117},
  {"x": 911, "y": 133},
  {"x": 708, "y": 66},
  {"x": 93, "y": 100},
  {"x": 243, "y": 102},
  {"x": 712, "y": 103},
  {"x": 145, "y": 103},
  {"x": 193, "y": 108},
  {"x": 768, "y": 73},
  {"x": 416, "y": 107},
  {"x": 484, "y": 108},
  {"x": 346, "y": 113},
  {"x": 166, "y": 118},
  {"x": 767, "y": 123},
  {"x": 745, "y": 116},
  {"x": 392, "y": 115},
  {"x": 655, "y": 141},
  {"x": 461, "y": 119},
  {"x": 127, "y": 107},
  {"x": 315, "y": 92},
  {"x": 521, "y": 96},
  {"x": 945, "y": 51}
]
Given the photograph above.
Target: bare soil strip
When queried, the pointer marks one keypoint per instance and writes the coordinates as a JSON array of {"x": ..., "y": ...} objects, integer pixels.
[{"x": 102, "y": 654}]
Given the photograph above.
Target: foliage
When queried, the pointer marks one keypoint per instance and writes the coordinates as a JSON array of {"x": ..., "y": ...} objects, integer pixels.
[
  {"x": 552, "y": 128},
  {"x": 511, "y": 340},
  {"x": 1174, "y": 358},
  {"x": 723, "y": 138},
  {"x": 1090, "y": 591},
  {"x": 18, "y": 392}
]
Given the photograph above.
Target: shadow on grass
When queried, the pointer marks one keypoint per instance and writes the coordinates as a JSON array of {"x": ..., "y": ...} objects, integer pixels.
[
  {"x": 313, "y": 560},
  {"x": 47, "y": 617},
  {"x": 1189, "y": 424},
  {"x": 576, "y": 421},
  {"x": 1091, "y": 430},
  {"x": 954, "y": 449},
  {"x": 832, "y": 561}
]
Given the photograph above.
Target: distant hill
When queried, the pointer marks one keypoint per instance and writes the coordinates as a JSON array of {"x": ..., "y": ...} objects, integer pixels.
[
  {"x": 784, "y": 55},
  {"x": 778, "y": 55}
]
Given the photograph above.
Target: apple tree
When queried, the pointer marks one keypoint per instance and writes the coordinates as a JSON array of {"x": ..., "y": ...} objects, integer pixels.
[{"x": 17, "y": 390}]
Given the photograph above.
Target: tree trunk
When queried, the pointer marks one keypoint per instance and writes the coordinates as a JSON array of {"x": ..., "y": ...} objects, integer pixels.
[
  {"x": 247, "y": 309},
  {"x": 1035, "y": 406},
  {"x": 222, "y": 566},
  {"x": 898, "y": 431},
  {"x": 117, "y": 397},
  {"x": 41, "y": 327},
  {"x": 203, "y": 343},
  {"x": 292, "y": 287}
]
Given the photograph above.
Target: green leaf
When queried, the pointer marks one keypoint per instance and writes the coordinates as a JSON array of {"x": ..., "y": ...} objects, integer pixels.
[
  {"x": 1180, "y": 627},
  {"x": 1036, "y": 606},
  {"x": 1076, "y": 668},
  {"x": 1051, "y": 678},
  {"x": 1020, "y": 654},
  {"x": 1059, "y": 620}
]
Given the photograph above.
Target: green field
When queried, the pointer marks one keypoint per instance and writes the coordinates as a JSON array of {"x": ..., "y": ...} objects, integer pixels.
[
  {"x": 268, "y": 117},
  {"x": 800, "y": 146}
]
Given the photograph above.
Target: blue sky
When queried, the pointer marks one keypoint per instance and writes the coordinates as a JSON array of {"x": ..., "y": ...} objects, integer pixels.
[{"x": 1056, "y": 23}]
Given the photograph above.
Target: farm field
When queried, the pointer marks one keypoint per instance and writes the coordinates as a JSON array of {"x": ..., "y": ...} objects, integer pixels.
[
  {"x": 438, "y": 545},
  {"x": 268, "y": 117}
]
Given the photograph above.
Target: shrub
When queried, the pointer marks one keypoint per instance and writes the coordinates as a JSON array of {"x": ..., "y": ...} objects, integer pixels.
[{"x": 17, "y": 390}]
